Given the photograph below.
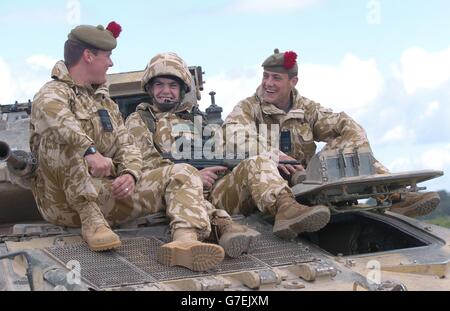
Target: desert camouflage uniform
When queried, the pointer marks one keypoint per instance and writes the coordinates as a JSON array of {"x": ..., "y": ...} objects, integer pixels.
[
  {"x": 254, "y": 182},
  {"x": 307, "y": 121},
  {"x": 64, "y": 123}
]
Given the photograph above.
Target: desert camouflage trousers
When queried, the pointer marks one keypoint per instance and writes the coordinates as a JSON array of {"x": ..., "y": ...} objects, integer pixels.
[
  {"x": 63, "y": 185},
  {"x": 253, "y": 183}
]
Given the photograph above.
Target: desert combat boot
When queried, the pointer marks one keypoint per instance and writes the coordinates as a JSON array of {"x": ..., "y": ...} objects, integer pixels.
[
  {"x": 235, "y": 239},
  {"x": 95, "y": 229},
  {"x": 293, "y": 218},
  {"x": 414, "y": 204},
  {"x": 185, "y": 250}
]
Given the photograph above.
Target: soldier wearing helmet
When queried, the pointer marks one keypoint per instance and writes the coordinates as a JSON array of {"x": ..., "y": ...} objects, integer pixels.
[
  {"x": 162, "y": 69},
  {"x": 278, "y": 102},
  {"x": 167, "y": 80},
  {"x": 255, "y": 181}
]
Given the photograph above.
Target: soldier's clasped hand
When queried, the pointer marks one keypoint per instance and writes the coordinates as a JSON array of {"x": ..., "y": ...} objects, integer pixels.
[
  {"x": 123, "y": 186},
  {"x": 99, "y": 166}
]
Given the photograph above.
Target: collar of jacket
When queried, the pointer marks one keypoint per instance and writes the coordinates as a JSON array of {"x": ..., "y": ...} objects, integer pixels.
[
  {"x": 146, "y": 106},
  {"x": 61, "y": 73},
  {"x": 271, "y": 109}
]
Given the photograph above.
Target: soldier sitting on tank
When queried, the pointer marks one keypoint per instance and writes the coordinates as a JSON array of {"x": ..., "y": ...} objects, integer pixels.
[
  {"x": 90, "y": 171},
  {"x": 278, "y": 102},
  {"x": 253, "y": 182}
]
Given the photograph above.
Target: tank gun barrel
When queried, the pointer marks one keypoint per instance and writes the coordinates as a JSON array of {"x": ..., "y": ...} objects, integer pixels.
[{"x": 19, "y": 162}]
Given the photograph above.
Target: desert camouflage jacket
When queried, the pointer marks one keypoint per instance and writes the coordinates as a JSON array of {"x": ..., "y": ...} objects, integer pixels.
[
  {"x": 64, "y": 114},
  {"x": 307, "y": 122},
  {"x": 168, "y": 126}
]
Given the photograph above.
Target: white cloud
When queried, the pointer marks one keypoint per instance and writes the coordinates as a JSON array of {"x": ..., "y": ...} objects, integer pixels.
[
  {"x": 38, "y": 62},
  {"x": 398, "y": 134},
  {"x": 350, "y": 86},
  {"x": 436, "y": 158},
  {"x": 34, "y": 72},
  {"x": 6, "y": 83},
  {"x": 231, "y": 89},
  {"x": 400, "y": 165},
  {"x": 430, "y": 110},
  {"x": 423, "y": 70},
  {"x": 271, "y": 5},
  {"x": 408, "y": 157},
  {"x": 396, "y": 72},
  {"x": 28, "y": 87}
]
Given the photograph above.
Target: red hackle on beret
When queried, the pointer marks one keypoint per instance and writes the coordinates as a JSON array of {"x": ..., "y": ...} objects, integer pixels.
[
  {"x": 290, "y": 59},
  {"x": 115, "y": 29}
]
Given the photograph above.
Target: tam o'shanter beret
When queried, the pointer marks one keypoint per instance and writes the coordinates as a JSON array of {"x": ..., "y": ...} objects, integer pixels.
[
  {"x": 97, "y": 37},
  {"x": 282, "y": 62}
]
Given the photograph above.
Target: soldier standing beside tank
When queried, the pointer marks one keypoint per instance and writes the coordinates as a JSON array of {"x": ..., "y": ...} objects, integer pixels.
[
  {"x": 90, "y": 172},
  {"x": 254, "y": 182},
  {"x": 278, "y": 102}
]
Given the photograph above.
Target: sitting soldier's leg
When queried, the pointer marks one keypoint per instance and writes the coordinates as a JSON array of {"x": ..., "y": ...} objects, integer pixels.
[
  {"x": 256, "y": 181},
  {"x": 235, "y": 238},
  {"x": 293, "y": 218},
  {"x": 414, "y": 204},
  {"x": 178, "y": 189},
  {"x": 65, "y": 195},
  {"x": 411, "y": 204}
]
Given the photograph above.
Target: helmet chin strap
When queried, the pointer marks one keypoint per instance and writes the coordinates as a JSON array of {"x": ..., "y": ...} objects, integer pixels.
[{"x": 167, "y": 105}]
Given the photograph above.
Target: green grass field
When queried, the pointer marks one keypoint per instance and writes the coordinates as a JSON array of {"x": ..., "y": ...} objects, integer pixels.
[{"x": 443, "y": 221}]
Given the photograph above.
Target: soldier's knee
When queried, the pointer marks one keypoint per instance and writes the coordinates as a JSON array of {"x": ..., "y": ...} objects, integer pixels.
[
  {"x": 185, "y": 173},
  {"x": 248, "y": 162},
  {"x": 257, "y": 161},
  {"x": 183, "y": 168}
]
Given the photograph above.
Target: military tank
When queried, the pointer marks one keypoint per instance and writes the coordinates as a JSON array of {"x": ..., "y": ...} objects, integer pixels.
[{"x": 364, "y": 247}]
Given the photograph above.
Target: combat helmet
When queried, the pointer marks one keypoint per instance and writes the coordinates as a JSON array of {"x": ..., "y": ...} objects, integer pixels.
[{"x": 167, "y": 64}]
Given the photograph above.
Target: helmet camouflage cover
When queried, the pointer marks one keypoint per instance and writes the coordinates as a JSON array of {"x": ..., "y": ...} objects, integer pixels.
[{"x": 167, "y": 64}]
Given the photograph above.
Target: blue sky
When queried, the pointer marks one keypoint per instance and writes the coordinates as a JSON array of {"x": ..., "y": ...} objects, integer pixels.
[{"x": 385, "y": 62}]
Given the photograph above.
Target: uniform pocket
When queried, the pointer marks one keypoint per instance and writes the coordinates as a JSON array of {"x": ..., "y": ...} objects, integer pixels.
[
  {"x": 304, "y": 145},
  {"x": 305, "y": 132}
]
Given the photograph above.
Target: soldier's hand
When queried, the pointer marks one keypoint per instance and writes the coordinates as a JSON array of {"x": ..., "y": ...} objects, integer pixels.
[
  {"x": 99, "y": 166},
  {"x": 288, "y": 169},
  {"x": 209, "y": 175},
  {"x": 123, "y": 186}
]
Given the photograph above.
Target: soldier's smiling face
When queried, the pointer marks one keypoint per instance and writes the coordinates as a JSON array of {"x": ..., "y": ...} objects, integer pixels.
[
  {"x": 99, "y": 65},
  {"x": 277, "y": 87},
  {"x": 165, "y": 90}
]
